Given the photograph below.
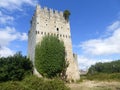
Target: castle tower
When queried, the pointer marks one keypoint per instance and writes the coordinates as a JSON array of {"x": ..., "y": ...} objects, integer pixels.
[{"x": 48, "y": 22}]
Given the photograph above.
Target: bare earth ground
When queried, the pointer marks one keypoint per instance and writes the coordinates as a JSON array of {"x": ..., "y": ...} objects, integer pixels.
[{"x": 95, "y": 85}]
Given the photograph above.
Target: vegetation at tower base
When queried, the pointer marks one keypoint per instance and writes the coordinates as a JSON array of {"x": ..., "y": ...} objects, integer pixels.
[
  {"x": 50, "y": 57},
  {"x": 66, "y": 15},
  {"x": 14, "y": 67},
  {"x": 34, "y": 83},
  {"x": 16, "y": 74}
]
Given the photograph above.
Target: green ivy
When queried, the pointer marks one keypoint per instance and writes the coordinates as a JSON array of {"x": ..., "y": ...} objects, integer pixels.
[{"x": 50, "y": 56}]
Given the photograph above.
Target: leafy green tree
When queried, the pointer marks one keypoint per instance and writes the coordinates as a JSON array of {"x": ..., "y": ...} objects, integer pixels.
[
  {"x": 107, "y": 67},
  {"x": 66, "y": 14},
  {"x": 50, "y": 57},
  {"x": 14, "y": 67}
]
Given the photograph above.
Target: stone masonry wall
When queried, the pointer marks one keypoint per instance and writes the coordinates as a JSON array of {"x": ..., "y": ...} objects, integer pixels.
[{"x": 48, "y": 22}]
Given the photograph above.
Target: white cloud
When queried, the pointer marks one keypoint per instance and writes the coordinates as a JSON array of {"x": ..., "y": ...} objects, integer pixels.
[
  {"x": 114, "y": 26},
  {"x": 9, "y": 34},
  {"x": 104, "y": 46},
  {"x": 84, "y": 62},
  {"x": 16, "y": 4},
  {"x": 5, "y": 19},
  {"x": 23, "y": 36},
  {"x": 4, "y": 52}
]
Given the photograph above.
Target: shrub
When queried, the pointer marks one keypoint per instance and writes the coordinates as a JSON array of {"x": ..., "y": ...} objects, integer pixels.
[
  {"x": 34, "y": 83},
  {"x": 50, "y": 57},
  {"x": 12, "y": 85},
  {"x": 107, "y": 67},
  {"x": 66, "y": 15},
  {"x": 14, "y": 67}
]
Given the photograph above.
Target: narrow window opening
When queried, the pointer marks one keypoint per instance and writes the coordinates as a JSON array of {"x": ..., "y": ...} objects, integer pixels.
[{"x": 57, "y": 29}]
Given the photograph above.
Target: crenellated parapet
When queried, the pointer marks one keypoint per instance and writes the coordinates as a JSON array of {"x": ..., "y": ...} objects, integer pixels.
[
  {"x": 49, "y": 12},
  {"x": 47, "y": 21}
]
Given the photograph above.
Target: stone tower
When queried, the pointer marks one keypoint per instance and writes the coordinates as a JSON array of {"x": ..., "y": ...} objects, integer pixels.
[{"x": 49, "y": 22}]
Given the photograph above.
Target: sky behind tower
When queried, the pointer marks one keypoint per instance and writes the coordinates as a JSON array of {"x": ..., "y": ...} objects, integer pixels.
[{"x": 95, "y": 27}]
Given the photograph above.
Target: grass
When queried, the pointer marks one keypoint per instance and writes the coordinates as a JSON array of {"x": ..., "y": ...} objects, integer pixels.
[
  {"x": 100, "y": 81},
  {"x": 34, "y": 83},
  {"x": 104, "y": 77}
]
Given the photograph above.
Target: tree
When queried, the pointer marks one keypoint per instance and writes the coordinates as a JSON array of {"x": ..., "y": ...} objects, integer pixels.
[
  {"x": 66, "y": 15},
  {"x": 15, "y": 67},
  {"x": 106, "y": 67},
  {"x": 50, "y": 57}
]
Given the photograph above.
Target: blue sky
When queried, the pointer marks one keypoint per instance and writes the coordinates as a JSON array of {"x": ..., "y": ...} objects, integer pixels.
[{"x": 95, "y": 27}]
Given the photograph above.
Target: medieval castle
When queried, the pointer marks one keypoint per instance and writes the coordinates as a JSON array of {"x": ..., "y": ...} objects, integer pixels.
[{"x": 49, "y": 22}]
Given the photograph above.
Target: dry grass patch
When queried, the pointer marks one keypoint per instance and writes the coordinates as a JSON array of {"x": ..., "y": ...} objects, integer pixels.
[{"x": 95, "y": 85}]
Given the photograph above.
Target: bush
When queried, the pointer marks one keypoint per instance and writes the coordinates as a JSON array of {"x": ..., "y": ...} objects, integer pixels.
[
  {"x": 12, "y": 85},
  {"x": 34, "y": 83},
  {"x": 66, "y": 14},
  {"x": 108, "y": 67},
  {"x": 14, "y": 67},
  {"x": 50, "y": 57}
]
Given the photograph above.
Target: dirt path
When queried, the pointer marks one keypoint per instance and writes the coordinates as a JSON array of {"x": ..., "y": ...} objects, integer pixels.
[{"x": 95, "y": 85}]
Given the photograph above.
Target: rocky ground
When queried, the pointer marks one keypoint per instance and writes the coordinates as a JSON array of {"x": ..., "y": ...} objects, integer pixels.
[{"x": 95, "y": 85}]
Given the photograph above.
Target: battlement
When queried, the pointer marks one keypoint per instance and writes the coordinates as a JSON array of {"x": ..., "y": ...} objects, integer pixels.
[
  {"x": 48, "y": 11},
  {"x": 47, "y": 21}
]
